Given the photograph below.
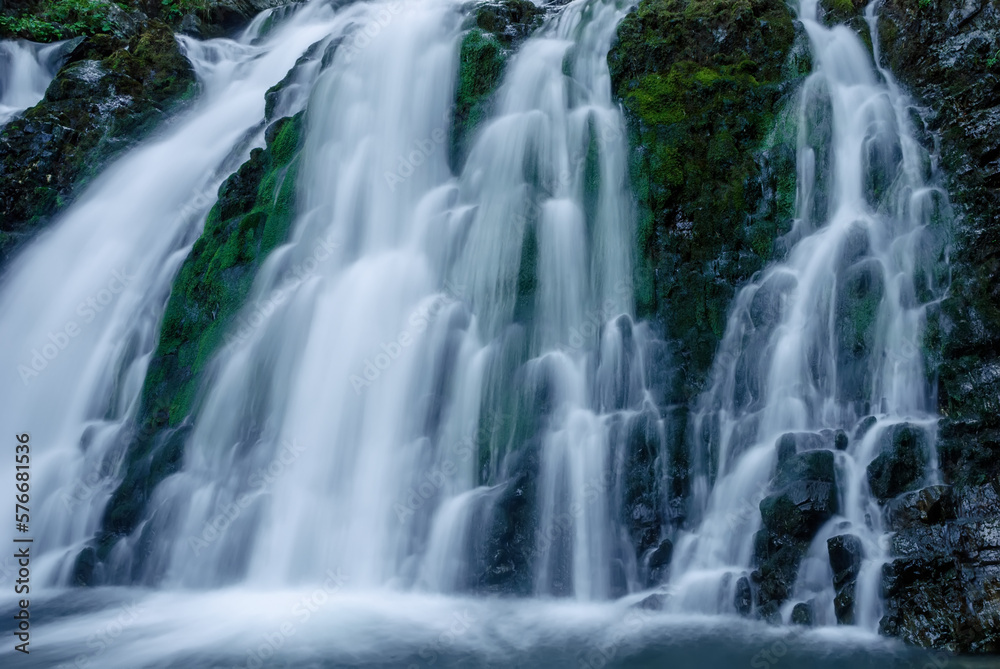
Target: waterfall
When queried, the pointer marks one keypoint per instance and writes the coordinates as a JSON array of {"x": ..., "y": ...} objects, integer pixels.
[
  {"x": 393, "y": 381},
  {"x": 826, "y": 340},
  {"x": 437, "y": 386},
  {"x": 26, "y": 68}
]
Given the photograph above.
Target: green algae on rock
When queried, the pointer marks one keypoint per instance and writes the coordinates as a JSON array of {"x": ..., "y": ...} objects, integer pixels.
[
  {"x": 497, "y": 28},
  {"x": 703, "y": 83},
  {"x": 110, "y": 94},
  {"x": 252, "y": 216}
]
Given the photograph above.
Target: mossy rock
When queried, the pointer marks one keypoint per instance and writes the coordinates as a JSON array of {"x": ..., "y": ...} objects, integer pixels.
[
  {"x": 110, "y": 94},
  {"x": 496, "y": 29},
  {"x": 253, "y": 215},
  {"x": 704, "y": 84}
]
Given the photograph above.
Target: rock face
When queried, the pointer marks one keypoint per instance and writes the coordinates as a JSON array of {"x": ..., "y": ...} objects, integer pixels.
[
  {"x": 110, "y": 93},
  {"x": 703, "y": 84},
  {"x": 804, "y": 497},
  {"x": 495, "y": 30},
  {"x": 942, "y": 589},
  {"x": 946, "y": 53},
  {"x": 846, "y": 553}
]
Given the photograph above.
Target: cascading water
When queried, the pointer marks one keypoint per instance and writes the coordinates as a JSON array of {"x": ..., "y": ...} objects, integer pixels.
[
  {"x": 84, "y": 301},
  {"x": 26, "y": 69},
  {"x": 430, "y": 271},
  {"x": 823, "y": 339}
]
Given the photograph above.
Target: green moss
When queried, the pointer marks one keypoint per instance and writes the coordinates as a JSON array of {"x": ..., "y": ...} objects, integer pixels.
[
  {"x": 51, "y": 20},
  {"x": 703, "y": 83},
  {"x": 481, "y": 64},
  {"x": 253, "y": 215}
]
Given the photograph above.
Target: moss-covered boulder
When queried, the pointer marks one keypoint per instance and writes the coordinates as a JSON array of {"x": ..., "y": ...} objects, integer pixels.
[
  {"x": 703, "y": 83},
  {"x": 496, "y": 29},
  {"x": 110, "y": 93},
  {"x": 252, "y": 216}
]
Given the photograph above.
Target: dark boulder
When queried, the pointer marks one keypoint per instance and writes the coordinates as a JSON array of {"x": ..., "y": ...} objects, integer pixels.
[
  {"x": 930, "y": 505},
  {"x": 942, "y": 587},
  {"x": 904, "y": 453},
  {"x": 846, "y": 553},
  {"x": 743, "y": 598},
  {"x": 804, "y": 497},
  {"x": 802, "y": 614}
]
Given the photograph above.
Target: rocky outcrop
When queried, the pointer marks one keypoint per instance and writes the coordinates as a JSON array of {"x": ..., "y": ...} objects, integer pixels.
[
  {"x": 904, "y": 454},
  {"x": 942, "y": 588},
  {"x": 947, "y": 53},
  {"x": 110, "y": 93},
  {"x": 252, "y": 216},
  {"x": 803, "y": 498},
  {"x": 495, "y": 30},
  {"x": 703, "y": 84},
  {"x": 846, "y": 552}
]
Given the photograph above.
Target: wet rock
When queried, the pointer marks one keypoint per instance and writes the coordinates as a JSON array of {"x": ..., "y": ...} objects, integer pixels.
[
  {"x": 843, "y": 604},
  {"x": 942, "y": 587},
  {"x": 770, "y": 613},
  {"x": 930, "y": 505},
  {"x": 661, "y": 555},
  {"x": 713, "y": 193},
  {"x": 497, "y": 29},
  {"x": 110, "y": 93},
  {"x": 217, "y": 18},
  {"x": 904, "y": 453},
  {"x": 802, "y": 614},
  {"x": 800, "y": 509},
  {"x": 743, "y": 599},
  {"x": 846, "y": 553},
  {"x": 859, "y": 297},
  {"x": 654, "y": 602},
  {"x": 945, "y": 53},
  {"x": 795, "y": 442},
  {"x": 866, "y": 423},
  {"x": 804, "y": 498}
]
